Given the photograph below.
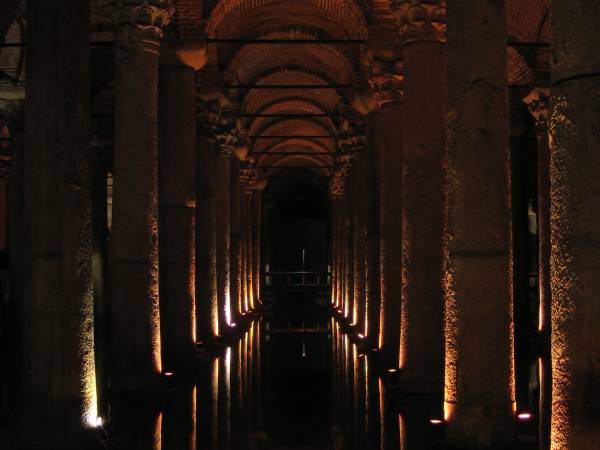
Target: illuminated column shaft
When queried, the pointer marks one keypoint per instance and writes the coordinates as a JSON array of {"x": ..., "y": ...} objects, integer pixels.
[
  {"x": 177, "y": 201},
  {"x": 134, "y": 320},
  {"x": 243, "y": 244},
  {"x": 575, "y": 215},
  {"x": 348, "y": 258},
  {"x": 422, "y": 355},
  {"x": 223, "y": 211},
  {"x": 207, "y": 311},
  {"x": 57, "y": 376},
  {"x": 538, "y": 102},
  {"x": 248, "y": 259},
  {"x": 372, "y": 233},
  {"x": 359, "y": 284},
  {"x": 256, "y": 234},
  {"x": 334, "y": 243},
  {"x": 236, "y": 243},
  {"x": 479, "y": 391},
  {"x": 390, "y": 125}
]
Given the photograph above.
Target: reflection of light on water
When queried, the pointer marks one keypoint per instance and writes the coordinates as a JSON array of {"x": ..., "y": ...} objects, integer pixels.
[
  {"x": 402, "y": 427},
  {"x": 158, "y": 433}
]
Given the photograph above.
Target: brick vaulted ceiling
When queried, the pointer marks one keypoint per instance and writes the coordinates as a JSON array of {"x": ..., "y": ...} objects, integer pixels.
[{"x": 341, "y": 67}]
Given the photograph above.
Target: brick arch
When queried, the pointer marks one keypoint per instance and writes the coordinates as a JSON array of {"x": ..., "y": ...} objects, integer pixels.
[{"x": 339, "y": 17}]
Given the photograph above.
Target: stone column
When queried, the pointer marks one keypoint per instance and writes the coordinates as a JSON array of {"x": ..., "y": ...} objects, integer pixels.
[
  {"x": 207, "y": 309},
  {"x": 359, "y": 278},
  {"x": 236, "y": 242},
  {"x": 479, "y": 394},
  {"x": 386, "y": 82},
  {"x": 256, "y": 234},
  {"x": 336, "y": 188},
  {"x": 334, "y": 243},
  {"x": 135, "y": 318},
  {"x": 223, "y": 211},
  {"x": 538, "y": 102},
  {"x": 249, "y": 180},
  {"x": 574, "y": 220},
  {"x": 177, "y": 210},
  {"x": 57, "y": 341},
  {"x": 99, "y": 168},
  {"x": 422, "y": 27}
]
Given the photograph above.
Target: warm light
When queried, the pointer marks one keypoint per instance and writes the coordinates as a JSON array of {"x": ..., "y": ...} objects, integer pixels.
[
  {"x": 436, "y": 421},
  {"x": 169, "y": 374},
  {"x": 361, "y": 336},
  {"x": 524, "y": 416},
  {"x": 233, "y": 324},
  {"x": 392, "y": 370},
  {"x": 95, "y": 422}
]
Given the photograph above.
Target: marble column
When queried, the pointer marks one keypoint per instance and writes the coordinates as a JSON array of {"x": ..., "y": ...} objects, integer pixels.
[
  {"x": 538, "y": 102},
  {"x": 177, "y": 210},
  {"x": 371, "y": 176},
  {"x": 99, "y": 168},
  {"x": 386, "y": 82},
  {"x": 574, "y": 220},
  {"x": 256, "y": 235},
  {"x": 223, "y": 211},
  {"x": 359, "y": 278},
  {"x": 57, "y": 385},
  {"x": 236, "y": 242},
  {"x": 207, "y": 308},
  {"x": 479, "y": 389},
  {"x": 135, "y": 317},
  {"x": 422, "y": 26}
]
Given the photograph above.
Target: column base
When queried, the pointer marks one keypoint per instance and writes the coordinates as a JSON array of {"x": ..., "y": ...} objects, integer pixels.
[{"x": 472, "y": 427}]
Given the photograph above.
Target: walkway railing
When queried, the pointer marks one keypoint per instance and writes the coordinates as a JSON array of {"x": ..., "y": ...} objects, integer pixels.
[{"x": 297, "y": 278}]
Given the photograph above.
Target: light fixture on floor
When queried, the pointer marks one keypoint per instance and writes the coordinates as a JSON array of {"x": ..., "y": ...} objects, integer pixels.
[{"x": 524, "y": 416}]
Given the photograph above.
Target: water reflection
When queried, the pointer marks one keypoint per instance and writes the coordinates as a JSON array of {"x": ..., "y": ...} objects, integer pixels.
[{"x": 280, "y": 386}]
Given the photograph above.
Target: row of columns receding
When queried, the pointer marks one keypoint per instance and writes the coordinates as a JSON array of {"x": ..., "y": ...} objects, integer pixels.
[
  {"x": 181, "y": 264},
  {"x": 423, "y": 250},
  {"x": 454, "y": 293}
]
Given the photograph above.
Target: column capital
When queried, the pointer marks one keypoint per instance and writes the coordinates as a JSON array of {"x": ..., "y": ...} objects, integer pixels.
[
  {"x": 248, "y": 175},
  {"x": 386, "y": 80},
  {"x": 139, "y": 22},
  {"x": 421, "y": 20},
  {"x": 538, "y": 103}
]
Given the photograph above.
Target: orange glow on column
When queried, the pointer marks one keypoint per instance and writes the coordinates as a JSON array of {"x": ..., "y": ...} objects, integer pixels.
[
  {"x": 88, "y": 369},
  {"x": 158, "y": 433},
  {"x": 155, "y": 319}
]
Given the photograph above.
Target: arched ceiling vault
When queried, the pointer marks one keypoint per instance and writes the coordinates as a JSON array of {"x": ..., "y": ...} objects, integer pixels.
[{"x": 275, "y": 85}]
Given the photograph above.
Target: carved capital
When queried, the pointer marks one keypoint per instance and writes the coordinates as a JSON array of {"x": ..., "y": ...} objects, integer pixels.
[
  {"x": 336, "y": 184},
  {"x": 421, "y": 19},
  {"x": 139, "y": 22},
  {"x": 538, "y": 103},
  {"x": 386, "y": 79},
  {"x": 248, "y": 175}
]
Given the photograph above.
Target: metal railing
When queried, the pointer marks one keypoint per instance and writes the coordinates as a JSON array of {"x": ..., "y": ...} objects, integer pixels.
[{"x": 297, "y": 278}]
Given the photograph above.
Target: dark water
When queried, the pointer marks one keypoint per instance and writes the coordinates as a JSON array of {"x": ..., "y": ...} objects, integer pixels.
[{"x": 286, "y": 384}]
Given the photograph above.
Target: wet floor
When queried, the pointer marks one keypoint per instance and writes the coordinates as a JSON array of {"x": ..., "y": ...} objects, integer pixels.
[{"x": 286, "y": 384}]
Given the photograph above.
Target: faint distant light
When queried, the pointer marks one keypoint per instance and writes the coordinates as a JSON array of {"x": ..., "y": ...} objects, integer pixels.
[
  {"x": 168, "y": 374},
  {"x": 436, "y": 421},
  {"x": 361, "y": 336},
  {"x": 392, "y": 370},
  {"x": 524, "y": 416},
  {"x": 234, "y": 324},
  {"x": 374, "y": 349}
]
